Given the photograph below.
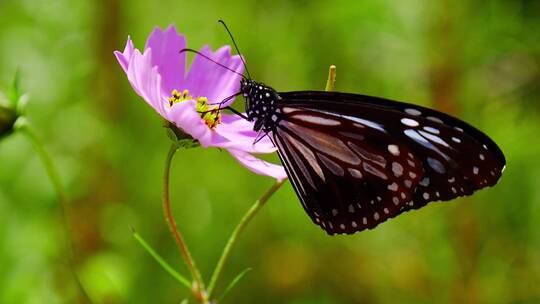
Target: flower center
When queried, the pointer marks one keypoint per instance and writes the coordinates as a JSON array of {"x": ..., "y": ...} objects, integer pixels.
[{"x": 210, "y": 115}]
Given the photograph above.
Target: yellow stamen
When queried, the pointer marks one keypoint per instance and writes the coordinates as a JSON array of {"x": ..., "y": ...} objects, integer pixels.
[
  {"x": 176, "y": 96},
  {"x": 211, "y": 116}
]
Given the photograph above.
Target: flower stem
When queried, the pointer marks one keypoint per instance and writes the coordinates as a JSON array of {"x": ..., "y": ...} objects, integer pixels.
[
  {"x": 198, "y": 284},
  {"x": 331, "y": 82},
  {"x": 23, "y": 126},
  {"x": 236, "y": 233}
]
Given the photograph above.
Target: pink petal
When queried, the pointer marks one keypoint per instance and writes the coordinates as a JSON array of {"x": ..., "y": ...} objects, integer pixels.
[
  {"x": 259, "y": 166},
  {"x": 146, "y": 80},
  {"x": 166, "y": 46},
  {"x": 241, "y": 136},
  {"x": 124, "y": 57},
  {"x": 205, "y": 78}
]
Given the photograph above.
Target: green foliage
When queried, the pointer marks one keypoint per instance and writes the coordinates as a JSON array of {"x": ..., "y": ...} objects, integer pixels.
[
  {"x": 477, "y": 59},
  {"x": 161, "y": 261},
  {"x": 234, "y": 282}
]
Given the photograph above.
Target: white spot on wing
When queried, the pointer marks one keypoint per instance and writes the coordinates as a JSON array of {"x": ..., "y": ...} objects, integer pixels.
[
  {"x": 432, "y": 130},
  {"x": 410, "y": 122},
  {"x": 371, "y": 169},
  {"x": 397, "y": 169},
  {"x": 433, "y": 138},
  {"x": 288, "y": 110},
  {"x": 436, "y": 165},
  {"x": 316, "y": 120},
  {"x": 365, "y": 122},
  {"x": 355, "y": 173},
  {"x": 412, "y": 134},
  {"x": 393, "y": 187},
  {"x": 393, "y": 149},
  {"x": 361, "y": 121},
  {"x": 408, "y": 183},
  {"x": 414, "y": 112},
  {"x": 435, "y": 119}
]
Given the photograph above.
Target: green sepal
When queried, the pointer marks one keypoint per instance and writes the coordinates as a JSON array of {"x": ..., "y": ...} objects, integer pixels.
[
  {"x": 13, "y": 93},
  {"x": 180, "y": 138}
]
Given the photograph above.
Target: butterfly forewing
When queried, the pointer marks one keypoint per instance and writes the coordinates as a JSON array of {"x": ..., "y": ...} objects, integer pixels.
[{"x": 356, "y": 160}]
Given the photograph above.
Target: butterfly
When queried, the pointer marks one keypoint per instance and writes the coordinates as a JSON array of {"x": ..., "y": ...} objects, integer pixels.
[{"x": 355, "y": 161}]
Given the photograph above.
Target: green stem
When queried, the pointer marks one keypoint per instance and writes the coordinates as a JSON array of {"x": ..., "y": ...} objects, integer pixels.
[
  {"x": 23, "y": 126},
  {"x": 236, "y": 233},
  {"x": 198, "y": 284},
  {"x": 331, "y": 82}
]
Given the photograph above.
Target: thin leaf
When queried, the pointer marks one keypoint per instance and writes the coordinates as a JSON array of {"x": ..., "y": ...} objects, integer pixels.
[
  {"x": 234, "y": 282},
  {"x": 161, "y": 261}
]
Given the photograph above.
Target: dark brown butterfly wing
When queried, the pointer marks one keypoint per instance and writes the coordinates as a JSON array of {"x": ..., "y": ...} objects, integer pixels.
[{"x": 356, "y": 161}]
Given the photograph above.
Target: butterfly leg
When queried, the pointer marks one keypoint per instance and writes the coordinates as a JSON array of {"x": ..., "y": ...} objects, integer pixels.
[
  {"x": 259, "y": 137},
  {"x": 237, "y": 113}
]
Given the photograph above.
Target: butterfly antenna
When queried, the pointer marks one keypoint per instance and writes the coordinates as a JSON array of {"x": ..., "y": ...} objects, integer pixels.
[
  {"x": 235, "y": 46},
  {"x": 208, "y": 58}
]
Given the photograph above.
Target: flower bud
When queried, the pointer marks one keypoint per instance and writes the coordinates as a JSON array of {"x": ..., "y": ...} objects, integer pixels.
[{"x": 7, "y": 120}]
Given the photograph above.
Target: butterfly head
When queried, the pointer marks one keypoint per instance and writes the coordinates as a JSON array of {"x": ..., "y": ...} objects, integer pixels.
[{"x": 261, "y": 104}]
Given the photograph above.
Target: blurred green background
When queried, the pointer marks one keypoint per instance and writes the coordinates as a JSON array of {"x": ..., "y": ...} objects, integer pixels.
[{"x": 479, "y": 60}]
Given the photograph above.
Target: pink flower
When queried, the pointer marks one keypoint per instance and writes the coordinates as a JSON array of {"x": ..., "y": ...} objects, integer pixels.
[{"x": 159, "y": 76}]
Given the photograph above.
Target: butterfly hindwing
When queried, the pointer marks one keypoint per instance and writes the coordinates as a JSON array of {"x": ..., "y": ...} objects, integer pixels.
[
  {"x": 349, "y": 177},
  {"x": 324, "y": 136}
]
